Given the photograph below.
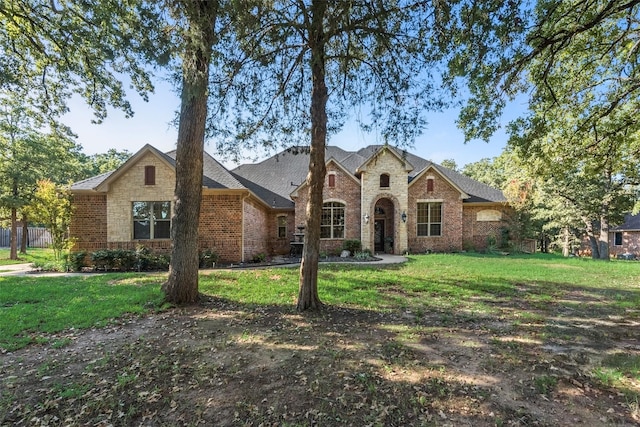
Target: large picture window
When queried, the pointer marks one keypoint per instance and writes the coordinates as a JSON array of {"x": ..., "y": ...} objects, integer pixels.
[
  {"x": 151, "y": 220},
  {"x": 332, "y": 224},
  {"x": 429, "y": 219}
]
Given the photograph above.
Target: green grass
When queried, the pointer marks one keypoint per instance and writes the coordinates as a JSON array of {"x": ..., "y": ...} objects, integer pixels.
[
  {"x": 471, "y": 283},
  {"x": 32, "y": 308},
  {"x": 32, "y": 255},
  {"x": 460, "y": 288}
]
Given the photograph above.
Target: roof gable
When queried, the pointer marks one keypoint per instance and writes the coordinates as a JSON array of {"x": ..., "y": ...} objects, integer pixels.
[
  {"x": 432, "y": 168},
  {"x": 408, "y": 167},
  {"x": 294, "y": 193},
  {"x": 109, "y": 178}
]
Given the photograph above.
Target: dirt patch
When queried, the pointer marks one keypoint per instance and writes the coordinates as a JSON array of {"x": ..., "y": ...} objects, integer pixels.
[{"x": 220, "y": 363}]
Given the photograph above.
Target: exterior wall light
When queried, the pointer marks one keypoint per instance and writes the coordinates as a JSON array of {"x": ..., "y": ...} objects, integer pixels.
[
  {"x": 404, "y": 216},
  {"x": 366, "y": 218}
]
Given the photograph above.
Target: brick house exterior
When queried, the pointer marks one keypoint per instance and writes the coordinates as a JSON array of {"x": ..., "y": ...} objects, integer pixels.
[
  {"x": 624, "y": 239},
  {"x": 390, "y": 200}
]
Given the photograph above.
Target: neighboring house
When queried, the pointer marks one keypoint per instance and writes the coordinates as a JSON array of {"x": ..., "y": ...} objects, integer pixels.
[
  {"x": 390, "y": 200},
  {"x": 625, "y": 238}
]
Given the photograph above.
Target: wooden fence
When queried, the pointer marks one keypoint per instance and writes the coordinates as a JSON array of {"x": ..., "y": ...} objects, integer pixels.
[{"x": 37, "y": 237}]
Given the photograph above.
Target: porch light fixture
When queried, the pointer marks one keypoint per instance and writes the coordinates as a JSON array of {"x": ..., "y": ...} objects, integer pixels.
[
  {"x": 404, "y": 216},
  {"x": 366, "y": 218}
]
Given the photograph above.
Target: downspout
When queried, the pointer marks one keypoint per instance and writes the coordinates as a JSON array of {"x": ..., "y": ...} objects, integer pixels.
[{"x": 242, "y": 228}]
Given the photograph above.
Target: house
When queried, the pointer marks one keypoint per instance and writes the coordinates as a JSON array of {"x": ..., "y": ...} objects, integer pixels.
[
  {"x": 625, "y": 238},
  {"x": 390, "y": 200}
]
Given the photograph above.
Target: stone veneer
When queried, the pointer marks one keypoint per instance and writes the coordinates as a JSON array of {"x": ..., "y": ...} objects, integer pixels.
[
  {"x": 128, "y": 188},
  {"x": 385, "y": 162}
]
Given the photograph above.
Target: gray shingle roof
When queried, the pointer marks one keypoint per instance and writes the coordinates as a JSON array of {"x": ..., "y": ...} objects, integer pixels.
[
  {"x": 214, "y": 175},
  {"x": 273, "y": 179},
  {"x": 631, "y": 222},
  {"x": 285, "y": 171},
  {"x": 91, "y": 183}
]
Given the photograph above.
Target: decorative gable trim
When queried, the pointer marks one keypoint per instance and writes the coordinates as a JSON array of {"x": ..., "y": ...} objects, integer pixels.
[
  {"x": 432, "y": 169},
  {"x": 132, "y": 161},
  {"x": 408, "y": 167}
]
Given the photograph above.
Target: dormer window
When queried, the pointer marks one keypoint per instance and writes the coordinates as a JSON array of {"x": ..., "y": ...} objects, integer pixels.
[
  {"x": 149, "y": 175},
  {"x": 384, "y": 180}
]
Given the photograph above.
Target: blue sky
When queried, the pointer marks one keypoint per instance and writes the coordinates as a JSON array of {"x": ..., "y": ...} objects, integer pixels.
[{"x": 151, "y": 124}]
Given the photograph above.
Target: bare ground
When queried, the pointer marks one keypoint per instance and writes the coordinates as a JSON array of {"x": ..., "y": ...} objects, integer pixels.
[{"x": 224, "y": 364}]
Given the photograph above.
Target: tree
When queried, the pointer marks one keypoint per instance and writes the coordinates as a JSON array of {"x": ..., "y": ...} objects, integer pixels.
[
  {"x": 199, "y": 22},
  {"x": 450, "y": 163},
  {"x": 51, "y": 50},
  {"x": 51, "y": 206},
  {"x": 303, "y": 65},
  {"x": 503, "y": 49},
  {"x": 30, "y": 148},
  {"x": 104, "y": 162}
]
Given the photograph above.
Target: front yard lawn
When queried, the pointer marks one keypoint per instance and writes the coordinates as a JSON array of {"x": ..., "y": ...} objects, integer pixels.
[{"x": 442, "y": 340}]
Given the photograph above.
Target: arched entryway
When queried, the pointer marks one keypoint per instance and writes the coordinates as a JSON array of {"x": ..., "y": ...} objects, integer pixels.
[{"x": 383, "y": 226}]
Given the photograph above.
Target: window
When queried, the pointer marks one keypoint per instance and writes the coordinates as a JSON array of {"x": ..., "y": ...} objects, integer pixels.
[
  {"x": 332, "y": 222},
  {"x": 151, "y": 220},
  {"x": 332, "y": 180},
  {"x": 282, "y": 227},
  {"x": 384, "y": 180},
  {"x": 429, "y": 219},
  {"x": 430, "y": 185},
  {"x": 149, "y": 175},
  {"x": 617, "y": 238}
]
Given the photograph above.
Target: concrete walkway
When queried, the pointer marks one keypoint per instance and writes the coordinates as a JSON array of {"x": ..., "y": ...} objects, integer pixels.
[{"x": 26, "y": 269}]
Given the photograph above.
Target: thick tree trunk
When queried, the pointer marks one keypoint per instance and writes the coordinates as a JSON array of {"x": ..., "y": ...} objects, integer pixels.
[
  {"x": 593, "y": 242},
  {"x": 182, "y": 284},
  {"x": 308, "y": 292},
  {"x": 25, "y": 235},
  {"x": 13, "y": 238}
]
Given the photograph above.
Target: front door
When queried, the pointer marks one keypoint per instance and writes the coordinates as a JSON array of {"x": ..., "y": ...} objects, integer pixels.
[{"x": 378, "y": 239}]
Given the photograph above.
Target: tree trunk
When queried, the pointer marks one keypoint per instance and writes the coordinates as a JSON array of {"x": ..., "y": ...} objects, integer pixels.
[
  {"x": 603, "y": 242},
  {"x": 308, "y": 292},
  {"x": 593, "y": 242},
  {"x": 25, "y": 235},
  {"x": 13, "y": 237},
  {"x": 182, "y": 284},
  {"x": 565, "y": 242}
]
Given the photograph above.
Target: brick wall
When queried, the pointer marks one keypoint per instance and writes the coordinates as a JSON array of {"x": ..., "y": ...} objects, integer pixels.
[
  {"x": 630, "y": 243},
  {"x": 220, "y": 225},
  {"x": 452, "y": 218},
  {"x": 89, "y": 222},
  {"x": 256, "y": 229},
  {"x": 280, "y": 245},
  {"x": 347, "y": 191},
  {"x": 476, "y": 233}
]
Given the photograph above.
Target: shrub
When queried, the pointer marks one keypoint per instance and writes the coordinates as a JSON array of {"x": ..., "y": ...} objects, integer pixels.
[
  {"x": 139, "y": 259},
  {"x": 261, "y": 257},
  {"x": 364, "y": 255},
  {"x": 208, "y": 258},
  {"x": 352, "y": 246},
  {"x": 103, "y": 259},
  {"x": 76, "y": 260}
]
